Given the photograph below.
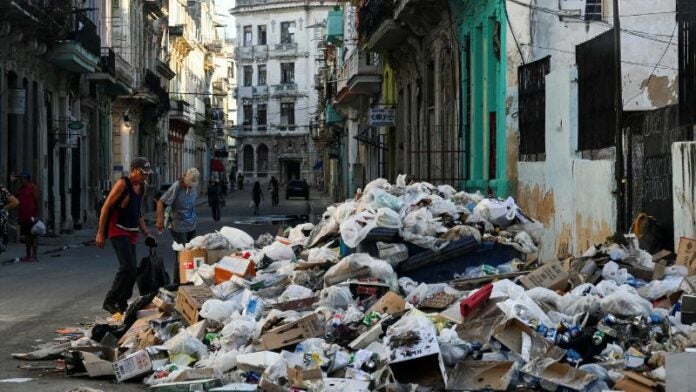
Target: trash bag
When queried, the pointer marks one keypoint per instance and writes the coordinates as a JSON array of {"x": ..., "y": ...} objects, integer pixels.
[
  {"x": 361, "y": 265},
  {"x": 278, "y": 251},
  {"x": 216, "y": 241},
  {"x": 216, "y": 310},
  {"x": 497, "y": 211},
  {"x": 383, "y": 199},
  {"x": 39, "y": 228},
  {"x": 294, "y": 292},
  {"x": 625, "y": 302},
  {"x": 151, "y": 274},
  {"x": 453, "y": 348},
  {"x": 611, "y": 271},
  {"x": 322, "y": 255},
  {"x": 389, "y": 218},
  {"x": 356, "y": 228},
  {"x": 237, "y": 239}
]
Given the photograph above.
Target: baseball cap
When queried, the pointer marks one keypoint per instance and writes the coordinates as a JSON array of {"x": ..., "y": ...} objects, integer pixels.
[
  {"x": 141, "y": 163},
  {"x": 25, "y": 174}
]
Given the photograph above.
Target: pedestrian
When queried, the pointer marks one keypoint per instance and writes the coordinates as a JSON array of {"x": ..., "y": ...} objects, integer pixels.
[
  {"x": 214, "y": 198},
  {"x": 7, "y": 202},
  {"x": 240, "y": 181},
  {"x": 120, "y": 220},
  {"x": 274, "y": 186},
  {"x": 181, "y": 199},
  {"x": 232, "y": 180},
  {"x": 28, "y": 215},
  {"x": 256, "y": 195}
]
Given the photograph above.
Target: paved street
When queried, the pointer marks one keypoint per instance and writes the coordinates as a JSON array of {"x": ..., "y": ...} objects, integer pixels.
[{"x": 67, "y": 287}]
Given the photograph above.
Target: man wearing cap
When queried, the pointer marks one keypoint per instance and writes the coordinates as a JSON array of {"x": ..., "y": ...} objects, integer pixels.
[
  {"x": 181, "y": 198},
  {"x": 120, "y": 220}
]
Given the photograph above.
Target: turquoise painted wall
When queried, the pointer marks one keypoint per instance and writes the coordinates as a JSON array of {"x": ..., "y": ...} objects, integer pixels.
[{"x": 482, "y": 32}]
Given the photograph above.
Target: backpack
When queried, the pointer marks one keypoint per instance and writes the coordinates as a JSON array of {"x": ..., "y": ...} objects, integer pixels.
[{"x": 151, "y": 274}]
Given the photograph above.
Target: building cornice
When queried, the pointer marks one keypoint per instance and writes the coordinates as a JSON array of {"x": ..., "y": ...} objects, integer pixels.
[{"x": 261, "y": 6}]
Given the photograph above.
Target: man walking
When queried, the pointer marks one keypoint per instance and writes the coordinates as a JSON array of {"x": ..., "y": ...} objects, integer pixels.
[
  {"x": 181, "y": 198},
  {"x": 28, "y": 214},
  {"x": 120, "y": 220},
  {"x": 215, "y": 197}
]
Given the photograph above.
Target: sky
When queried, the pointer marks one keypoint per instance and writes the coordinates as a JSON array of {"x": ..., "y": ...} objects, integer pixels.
[{"x": 222, "y": 8}]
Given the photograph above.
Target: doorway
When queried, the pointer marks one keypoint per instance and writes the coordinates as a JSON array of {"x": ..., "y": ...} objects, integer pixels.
[{"x": 292, "y": 170}]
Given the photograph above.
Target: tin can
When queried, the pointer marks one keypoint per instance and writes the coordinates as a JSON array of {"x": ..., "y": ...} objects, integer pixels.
[
  {"x": 655, "y": 319},
  {"x": 574, "y": 331},
  {"x": 542, "y": 329},
  {"x": 609, "y": 319},
  {"x": 563, "y": 339},
  {"x": 598, "y": 338},
  {"x": 573, "y": 357},
  {"x": 551, "y": 335}
]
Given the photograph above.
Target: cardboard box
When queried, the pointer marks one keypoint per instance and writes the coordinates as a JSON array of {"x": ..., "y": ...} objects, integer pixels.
[
  {"x": 186, "y": 386},
  {"x": 189, "y": 301},
  {"x": 297, "y": 305},
  {"x": 550, "y": 275},
  {"x": 139, "y": 326},
  {"x": 367, "y": 337},
  {"x": 134, "y": 365},
  {"x": 98, "y": 361},
  {"x": 257, "y": 362},
  {"x": 390, "y": 303},
  {"x": 419, "y": 363},
  {"x": 688, "y": 285},
  {"x": 189, "y": 261},
  {"x": 291, "y": 333},
  {"x": 298, "y": 375},
  {"x": 632, "y": 381},
  {"x": 686, "y": 254},
  {"x": 231, "y": 266},
  {"x": 215, "y": 255},
  {"x": 527, "y": 343},
  {"x": 481, "y": 375},
  {"x": 558, "y": 376}
]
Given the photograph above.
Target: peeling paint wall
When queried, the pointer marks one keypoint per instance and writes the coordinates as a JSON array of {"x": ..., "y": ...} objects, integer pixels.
[
  {"x": 571, "y": 196},
  {"x": 684, "y": 190}
]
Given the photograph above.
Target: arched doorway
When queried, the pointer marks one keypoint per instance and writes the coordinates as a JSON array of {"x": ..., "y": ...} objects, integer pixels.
[
  {"x": 262, "y": 150},
  {"x": 248, "y": 161}
]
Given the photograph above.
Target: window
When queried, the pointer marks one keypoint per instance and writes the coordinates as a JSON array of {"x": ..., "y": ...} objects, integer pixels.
[
  {"x": 248, "y": 114},
  {"x": 287, "y": 114},
  {"x": 532, "y": 108},
  {"x": 262, "y": 35},
  {"x": 593, "y": 10},
  {"x": 287, "y": 32},
  {"x": 247, "y": 36},
  {"x": 261, "y": 117},
  {"x": 287, "y": 73},
  {"x": 262, "y": 76},
  {"x": 248, "y": 75}
]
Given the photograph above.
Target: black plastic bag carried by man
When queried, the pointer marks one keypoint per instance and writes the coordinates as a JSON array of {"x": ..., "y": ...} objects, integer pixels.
[{"x": 151, "y": 273}]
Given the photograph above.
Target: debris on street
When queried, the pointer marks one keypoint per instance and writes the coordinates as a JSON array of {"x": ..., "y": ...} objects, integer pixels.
[{"x": 404, "y": 284}]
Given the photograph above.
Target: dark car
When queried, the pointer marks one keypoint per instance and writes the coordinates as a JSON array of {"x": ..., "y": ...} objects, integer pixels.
[{"x": 297, "y": 188}]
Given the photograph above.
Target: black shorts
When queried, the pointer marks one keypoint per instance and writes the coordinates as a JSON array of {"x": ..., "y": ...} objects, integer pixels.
[{"x": 25, "y": 228}]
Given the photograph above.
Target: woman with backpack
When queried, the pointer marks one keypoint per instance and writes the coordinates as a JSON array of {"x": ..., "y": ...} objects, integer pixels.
[{"x": 120, "y": 220}]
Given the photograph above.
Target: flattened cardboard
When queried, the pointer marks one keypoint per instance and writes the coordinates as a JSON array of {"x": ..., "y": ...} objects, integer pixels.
[
  {"x": 231, "y": 266},
  {"x": 513, "y": 334},
  {"x": 297, "y": 305},
  {"x": 367, "y": 337},
  {"x": 186, "y": 386},
  {"x": 633, "y": 381},
  {"x": 98, "y": 361},
  {"x": 292, "y": 333},
  {"x": 479, "y": 330},
  {"x": 390, "y": 303},
  {"x": 688, "y": 285},
  {"x": 551, "y": 276},
  {"x": 257, "y": 362},
  {"x": 297, "y": 375},
  {"x": 686, "y": 254},
  {"x": 215, "y": 255},
  {"x": 189, "y": 262},
  {"x": 139, "y": 326},
  {"x": 420, "y": 363},
  {"x": 481, "y": 375},
  {"x": 663, "y": 254},
  {"x": 558, "y": 375}
]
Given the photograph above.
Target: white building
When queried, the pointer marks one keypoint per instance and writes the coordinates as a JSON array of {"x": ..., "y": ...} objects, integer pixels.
[{"x": 276, "y": 61}]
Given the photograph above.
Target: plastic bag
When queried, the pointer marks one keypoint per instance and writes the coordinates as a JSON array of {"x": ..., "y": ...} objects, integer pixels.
[
  {"x": 344, "y": 211},
  {"x": 412, "y": 321},
  {"x": 216, "y": 310},
  {"x": 386, "y": 217},
  {"x": 658, "y": 288},
  {"x": 401, "y": 181},
  {"x": 383, "y": 199},
  {"x": 237, "y": 239},
  {"x": 356, "y": 228},
  {"x": 624, "y": 302},
  {"x": 336, "y": 297},
  {"x": 321, "y": 255},
  {"x": 444, "y": 207},
  {"x": 297, "y": 236},
  {"x": 196, "y": 243},
  {"x": 216, "y": 241},
  {"x": 453, "y": 348},
  {"x": 183, "y": 343},
  {"x": 393, "y": 254},
  {"x": 447, "y": 191},
  {"x": 499, "y": 212},
  {"x": 264, "y": 240},
  {"x": 407, "y": 285},
  {"x": 378, "y": 184},
  {"x": 524, "y": 243},
  {"x": 38, "y": 228},
  {"x": 611, "y": 271},
  {"x": 278, "y": 251},
  {"x": 238, "y": 333},
  {"x": 294, "y": 292},
  {"x": 221, "y": 361},
  {"x": 461, "y": 231},
  {"x": 525, "y": 309},
  {"x": 506, "y": 288},
  {"x": 375, "y": 268}
]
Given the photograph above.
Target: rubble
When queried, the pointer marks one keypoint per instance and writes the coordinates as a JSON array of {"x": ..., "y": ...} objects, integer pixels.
[{"x": 404, "y": 285}]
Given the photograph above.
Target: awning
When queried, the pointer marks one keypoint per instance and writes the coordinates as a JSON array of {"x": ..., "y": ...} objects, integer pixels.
[{"x": 216, "y": 165}]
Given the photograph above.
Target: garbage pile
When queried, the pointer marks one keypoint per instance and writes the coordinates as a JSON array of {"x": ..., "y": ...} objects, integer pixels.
[{"x": 404, "y": 285}]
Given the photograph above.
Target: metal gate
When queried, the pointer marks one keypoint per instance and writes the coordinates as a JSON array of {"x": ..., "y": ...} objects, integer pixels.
[{"x": 650, "y": 164}]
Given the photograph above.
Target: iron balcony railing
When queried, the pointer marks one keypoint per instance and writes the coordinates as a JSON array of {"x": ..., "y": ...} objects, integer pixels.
[{"x": 371, "y": 15}]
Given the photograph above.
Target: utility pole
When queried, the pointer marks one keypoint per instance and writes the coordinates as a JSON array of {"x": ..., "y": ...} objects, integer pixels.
[{"x": 618, "y": 113}]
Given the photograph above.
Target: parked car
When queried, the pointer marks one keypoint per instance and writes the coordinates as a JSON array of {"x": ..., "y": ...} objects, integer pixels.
[{"x": 297, "y": 188}]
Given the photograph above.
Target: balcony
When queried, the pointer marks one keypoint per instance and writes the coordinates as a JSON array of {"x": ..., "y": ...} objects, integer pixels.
[
  {"x": 111, "y": 76},
  {"x": 261, "y": 92},
  {"x": 285, "y": 50},
  {"x": 285, "y": 89},
  {"x": 180, "y": 111},
  {"x": 215, "y": 46},
  {"x": 182, "y": 38},
  {"x": 332, "y": 116},
  {"x": 80, "y": 52},
  {"x": 360, "y": 76},
  {"x": 221, "y": 86},
  {"x": 244, "y": 53},
  {"x": 155, "y": 8},
  {"x": 334, "y": 27},
  {"x": 243, "y": 92},
  {"x": 378, "y": 27},
  {"x": 261, "y": 53}
]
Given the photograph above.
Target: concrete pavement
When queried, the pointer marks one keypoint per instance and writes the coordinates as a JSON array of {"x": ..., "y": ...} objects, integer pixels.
[{"x": 68, "y": 285}]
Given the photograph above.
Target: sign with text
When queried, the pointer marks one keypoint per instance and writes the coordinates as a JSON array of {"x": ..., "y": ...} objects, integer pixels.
[{"x": 382, "y": 117}]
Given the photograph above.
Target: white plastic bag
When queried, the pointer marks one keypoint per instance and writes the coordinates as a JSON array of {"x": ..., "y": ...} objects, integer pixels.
[
  {"x": 322, "y": 255},
  {"x": 393, "y": 254},
  {"x": 525, "y": 309},
  {"x": 294, "y": 292},
  {"x": 383, "y": 199},
  {"x": 216, "y": 310},
  {"x": 453, "y": 348},
  {"x": 216, "y": 241},
  {"x": 379, "y": 269},
  {"x": 389, "y": 218},
  {"x": 356, "y": 228},
  {"x": 624, "y": 302},
  {"x": 611, "y": 271},
  {"x": 278, "y": 251},
  {"x": 237, "y": 239},
  {"x": 39, "y": 228},
  {"x": 238, "y": 333},
  {"x": 499, "y": 212}
]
